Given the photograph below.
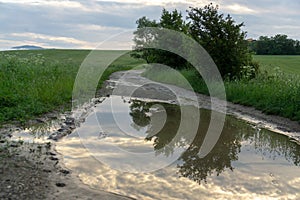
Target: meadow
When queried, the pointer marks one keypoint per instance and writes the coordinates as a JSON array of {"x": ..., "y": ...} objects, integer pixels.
[
  {"x": 287, "y": 64},
  {"x": 275, "y": 90},
  {"x": 40, "y": 81},
  {"x": 36, "y": 82}
]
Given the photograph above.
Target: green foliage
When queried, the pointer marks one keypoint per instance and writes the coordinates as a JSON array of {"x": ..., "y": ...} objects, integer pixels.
[
  {"x": 220, "y": 36},
  {"x": 277, "y": 94},
  {"x": 174, "y": 21},
  {"x": 145, "y": 37},
  {"x": 276, "y": 45},
  {"x": 35, "y": 82},
  {"x": 31, "y": 86}
]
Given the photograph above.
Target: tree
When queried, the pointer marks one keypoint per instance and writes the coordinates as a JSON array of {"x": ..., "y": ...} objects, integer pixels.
[
  {"x": 297, "y": 46},
  {"x": 222, "y": 38},
  {"x": 276, "y": 45},
  {"x": 283, "y": 45},
  {"x": 263, "y": 46},
  {"x": 143, "y": 37}
]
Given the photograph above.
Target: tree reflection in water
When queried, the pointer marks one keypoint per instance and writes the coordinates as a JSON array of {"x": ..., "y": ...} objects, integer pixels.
[
  {"x": 227, "y": 149},
  {"x": 139, "y": 112},
  {"x": 220, "y": 158}
]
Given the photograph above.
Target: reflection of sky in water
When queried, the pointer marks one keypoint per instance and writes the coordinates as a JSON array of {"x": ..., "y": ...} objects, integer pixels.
[
  {"x": 37, "y": 133},
  {"x": 119, "y": 121},
  {"x": 245, "y": 164},
  {"x": 103, "y": 127}
]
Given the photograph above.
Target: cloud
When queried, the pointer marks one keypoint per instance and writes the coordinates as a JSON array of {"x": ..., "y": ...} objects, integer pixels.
[
  {"x": 46, "y": 40},
  {"x": 49, "y": 38},
  {"x": 154, "y": 2},
  {"x": 94, "y": 27},
  {"x": 8, "y": 43},
  {"x": 79, "y": 23},
  {"x": 93, "y": 6},
  {"x": 55, "y": 3},
  {"x": 239, "y": 9}
]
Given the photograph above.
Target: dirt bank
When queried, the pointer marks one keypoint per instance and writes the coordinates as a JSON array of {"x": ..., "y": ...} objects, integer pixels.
[{"x": 36, "y": 171}]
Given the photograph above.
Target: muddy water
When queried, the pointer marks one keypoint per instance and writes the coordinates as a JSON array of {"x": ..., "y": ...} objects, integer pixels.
[{"x": 246, "y": 162}]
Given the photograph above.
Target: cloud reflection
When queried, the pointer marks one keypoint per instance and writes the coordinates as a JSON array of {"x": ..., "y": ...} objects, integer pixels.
[{"x": 246, "y": 163}]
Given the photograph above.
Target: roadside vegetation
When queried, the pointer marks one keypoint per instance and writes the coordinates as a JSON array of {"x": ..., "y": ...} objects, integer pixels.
[
  {"x": 40, "y": 81},
  {"x": 277, "y": 94},
  {"x": 270, "y": 84}
]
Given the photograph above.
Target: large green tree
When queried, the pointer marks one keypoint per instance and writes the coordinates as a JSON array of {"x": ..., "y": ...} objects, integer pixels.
[
  {"x": 220, "y": 36},
  {"x": 144, "y": 37}
]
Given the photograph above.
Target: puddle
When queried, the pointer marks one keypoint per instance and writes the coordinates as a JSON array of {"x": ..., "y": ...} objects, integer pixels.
[
  {"x": 246, "y": 162},
  {"x": 38, "y": 133}
]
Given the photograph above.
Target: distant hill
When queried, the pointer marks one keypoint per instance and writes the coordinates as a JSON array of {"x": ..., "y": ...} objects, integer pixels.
[{"x": 27, "y": 47}]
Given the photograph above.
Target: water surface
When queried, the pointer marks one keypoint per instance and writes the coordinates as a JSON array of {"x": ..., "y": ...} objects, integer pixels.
[{"x": 247, "y": 162}]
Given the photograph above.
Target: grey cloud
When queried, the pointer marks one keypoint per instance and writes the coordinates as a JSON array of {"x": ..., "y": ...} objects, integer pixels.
[
  {"x": 54, "y": 21},
  {"x": 94, "y": 21}
]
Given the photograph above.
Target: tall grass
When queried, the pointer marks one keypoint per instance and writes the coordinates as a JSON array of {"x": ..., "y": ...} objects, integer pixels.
[
  {"x": 30, "y": 86},
  {"x": 33, "y": 83},
  {"x": 278, "y": 93}
]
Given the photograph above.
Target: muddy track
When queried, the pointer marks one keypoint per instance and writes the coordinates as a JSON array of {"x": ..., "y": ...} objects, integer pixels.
[
  {"x": 131, "y": 83},
  {"x": 36, "y": 171}
]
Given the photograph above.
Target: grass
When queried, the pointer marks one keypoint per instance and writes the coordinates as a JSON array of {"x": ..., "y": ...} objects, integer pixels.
[
  {"x": 287, "y": 64},
  {"x": 40, "y": 81},
  {"x": 276, "y": 92}
]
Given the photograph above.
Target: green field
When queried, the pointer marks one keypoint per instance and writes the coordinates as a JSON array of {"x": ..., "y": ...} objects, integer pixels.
[
  {"x": 70, "y": 56},
  {"x": 40, "y": 81},
  {"x": 288, "y": 64},
  {"x": 35, "y": 82}
]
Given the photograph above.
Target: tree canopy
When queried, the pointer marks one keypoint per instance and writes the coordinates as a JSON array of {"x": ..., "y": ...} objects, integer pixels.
[
  {"x": 222, "y": 38},
  {"x": 170, "y": 20},
  {"x": 275, "y": 45}
]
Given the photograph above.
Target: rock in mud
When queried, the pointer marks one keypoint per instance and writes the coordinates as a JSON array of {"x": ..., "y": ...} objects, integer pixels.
[
  {"x": 51, "y": 153},
  {"x": 70, "y": 121},
  {"x": 39, "y": 120},
  {"x": 14, "y": 145},
  {"x": 64, "y": 171},
  {"x": 58, "y": 135},
  {"x": 60, "y": 184},
  {"x": 61, "y": 130},
  {"x": 53, "y": 158}
]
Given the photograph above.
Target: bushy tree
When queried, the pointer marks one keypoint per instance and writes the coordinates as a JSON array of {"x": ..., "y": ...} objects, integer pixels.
[
  {"x": 220, "y": 36},
  {"x": 143, "y": 37}
]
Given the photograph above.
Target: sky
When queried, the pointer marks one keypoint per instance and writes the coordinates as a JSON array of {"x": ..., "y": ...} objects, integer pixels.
[{"x": 84, "y": 24}]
